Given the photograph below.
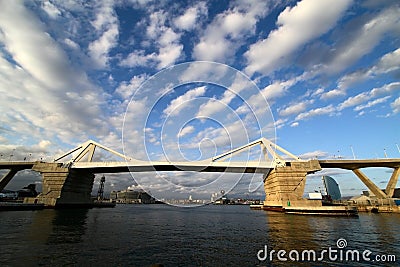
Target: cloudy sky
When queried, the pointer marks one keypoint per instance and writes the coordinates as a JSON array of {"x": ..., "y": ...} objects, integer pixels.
[{"x": 327, "y": 74}]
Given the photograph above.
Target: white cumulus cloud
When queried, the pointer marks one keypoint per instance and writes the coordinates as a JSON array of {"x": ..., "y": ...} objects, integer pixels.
[
  {"x": 187, "y": 21},
  {"x": 186, "y": 130},
  {"x": 224, "y": 35},
  {"x": 316, "y": 112},
  {"x": 106, "y": 24},
  {"x": 179, "y": 103},
  {"x": 396, "y": 106},
  {"x": 297, "y": 26}
]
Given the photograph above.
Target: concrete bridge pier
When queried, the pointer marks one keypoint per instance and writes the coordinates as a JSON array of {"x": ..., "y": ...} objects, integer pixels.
[
  {"x": 284, "y": 186},
  {"x": 392, "y": 182},
  {"x": 64, "y": 187}
]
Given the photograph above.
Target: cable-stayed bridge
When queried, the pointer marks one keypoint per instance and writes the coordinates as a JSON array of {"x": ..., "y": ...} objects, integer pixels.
[{"x": 68, "y": 180}]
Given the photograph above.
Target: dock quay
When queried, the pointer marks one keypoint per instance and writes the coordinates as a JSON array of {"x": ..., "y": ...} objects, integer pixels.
[{"x": 8, "y": 206}]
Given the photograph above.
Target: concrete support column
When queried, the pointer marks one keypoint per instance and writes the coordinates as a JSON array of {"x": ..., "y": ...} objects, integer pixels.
[
  {"x": 7, "y": 178},
  {"x": 392, "y": 182},
  {"x": 284, "y": 186},
  {"x": 371, "y": 186},
  {"x": 62, "y": 186}
]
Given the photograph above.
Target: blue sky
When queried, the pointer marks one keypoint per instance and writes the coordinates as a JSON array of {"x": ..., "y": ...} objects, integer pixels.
[{"x": 329, "y": 71}]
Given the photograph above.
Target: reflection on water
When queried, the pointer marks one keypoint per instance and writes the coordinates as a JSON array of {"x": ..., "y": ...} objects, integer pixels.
[
  {"x": 58, "y": 226},
  {"x": 33, "y": 237},
  {"x": 285, "y": 232},
  {"x": 142, "y": 235},
  {"x": 68, "y": 226}
]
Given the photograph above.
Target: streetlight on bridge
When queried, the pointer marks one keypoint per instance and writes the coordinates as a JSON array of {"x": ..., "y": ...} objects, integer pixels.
[
  {"x": 352, "y": 151},
  {"x": 12, "y": 154}
]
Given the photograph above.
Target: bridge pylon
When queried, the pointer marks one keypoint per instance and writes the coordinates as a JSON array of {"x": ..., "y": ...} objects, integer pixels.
[
  {"x": 87, "y": 149},
  {"x": 269, "y": 149}
]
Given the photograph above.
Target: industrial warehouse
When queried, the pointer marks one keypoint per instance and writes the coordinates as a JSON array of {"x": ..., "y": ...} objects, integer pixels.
[{"x": 129, "y": 196}]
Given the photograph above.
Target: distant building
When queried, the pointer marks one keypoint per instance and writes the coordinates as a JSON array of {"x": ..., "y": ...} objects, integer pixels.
[
  {"x": 369, "y": 198},
  {"x": 6, "y": 195},
  {"x": 396, "y": 193},
  {"x": 27, "y": 191},
  {"x": 130, "y": 196},
  {"x": 214, "y": 197},
  {"x": 331, "y": 187},
  {"x": 315, "y": 196},
  {"x": 222, "y": 201}
]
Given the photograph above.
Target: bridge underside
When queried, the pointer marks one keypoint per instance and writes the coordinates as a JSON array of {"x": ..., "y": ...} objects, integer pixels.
[
  {"x": 66, "y": 186},
  {"x": 205, "y": 166},
  {"x": 13, "y": 168},
  {"x": 357, "y": 165}
]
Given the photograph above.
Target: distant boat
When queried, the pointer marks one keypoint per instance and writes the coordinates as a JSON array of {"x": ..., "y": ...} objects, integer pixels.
[
  {"x": 256, "y": 206},
  {"x": 324, "y": 210},
  {"x": 329, "y": 207}
]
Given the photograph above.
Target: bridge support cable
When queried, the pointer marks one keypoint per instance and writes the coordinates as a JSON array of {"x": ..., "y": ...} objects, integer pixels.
[
  {"x": 88, "y": 148},
  {"x": 268, "y": 148},
  {"x": 392, "y": 182},
  {"x": 235, "y": 151},
  {"x": 371, "y": 186}
]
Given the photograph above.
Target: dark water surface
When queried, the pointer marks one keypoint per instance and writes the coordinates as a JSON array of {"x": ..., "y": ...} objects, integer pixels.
[{"x": 143, "y": 235}]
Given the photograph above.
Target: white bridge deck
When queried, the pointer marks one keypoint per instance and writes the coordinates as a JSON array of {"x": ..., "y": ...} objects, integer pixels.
[{"x": 82, "y": 159}]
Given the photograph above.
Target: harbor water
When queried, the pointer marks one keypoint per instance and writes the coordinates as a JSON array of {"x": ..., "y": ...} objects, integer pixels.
[{"x": 146, "y": 235}]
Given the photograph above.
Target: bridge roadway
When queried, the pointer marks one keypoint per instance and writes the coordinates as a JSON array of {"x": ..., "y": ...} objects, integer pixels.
[
  {"x": 205, "y": 166},
  {"x": 352, "y": 164},
  {"x": 222, "y": 166},
  {"x": 147, "y": 166},
  {"x": 20, "y": 165}
]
